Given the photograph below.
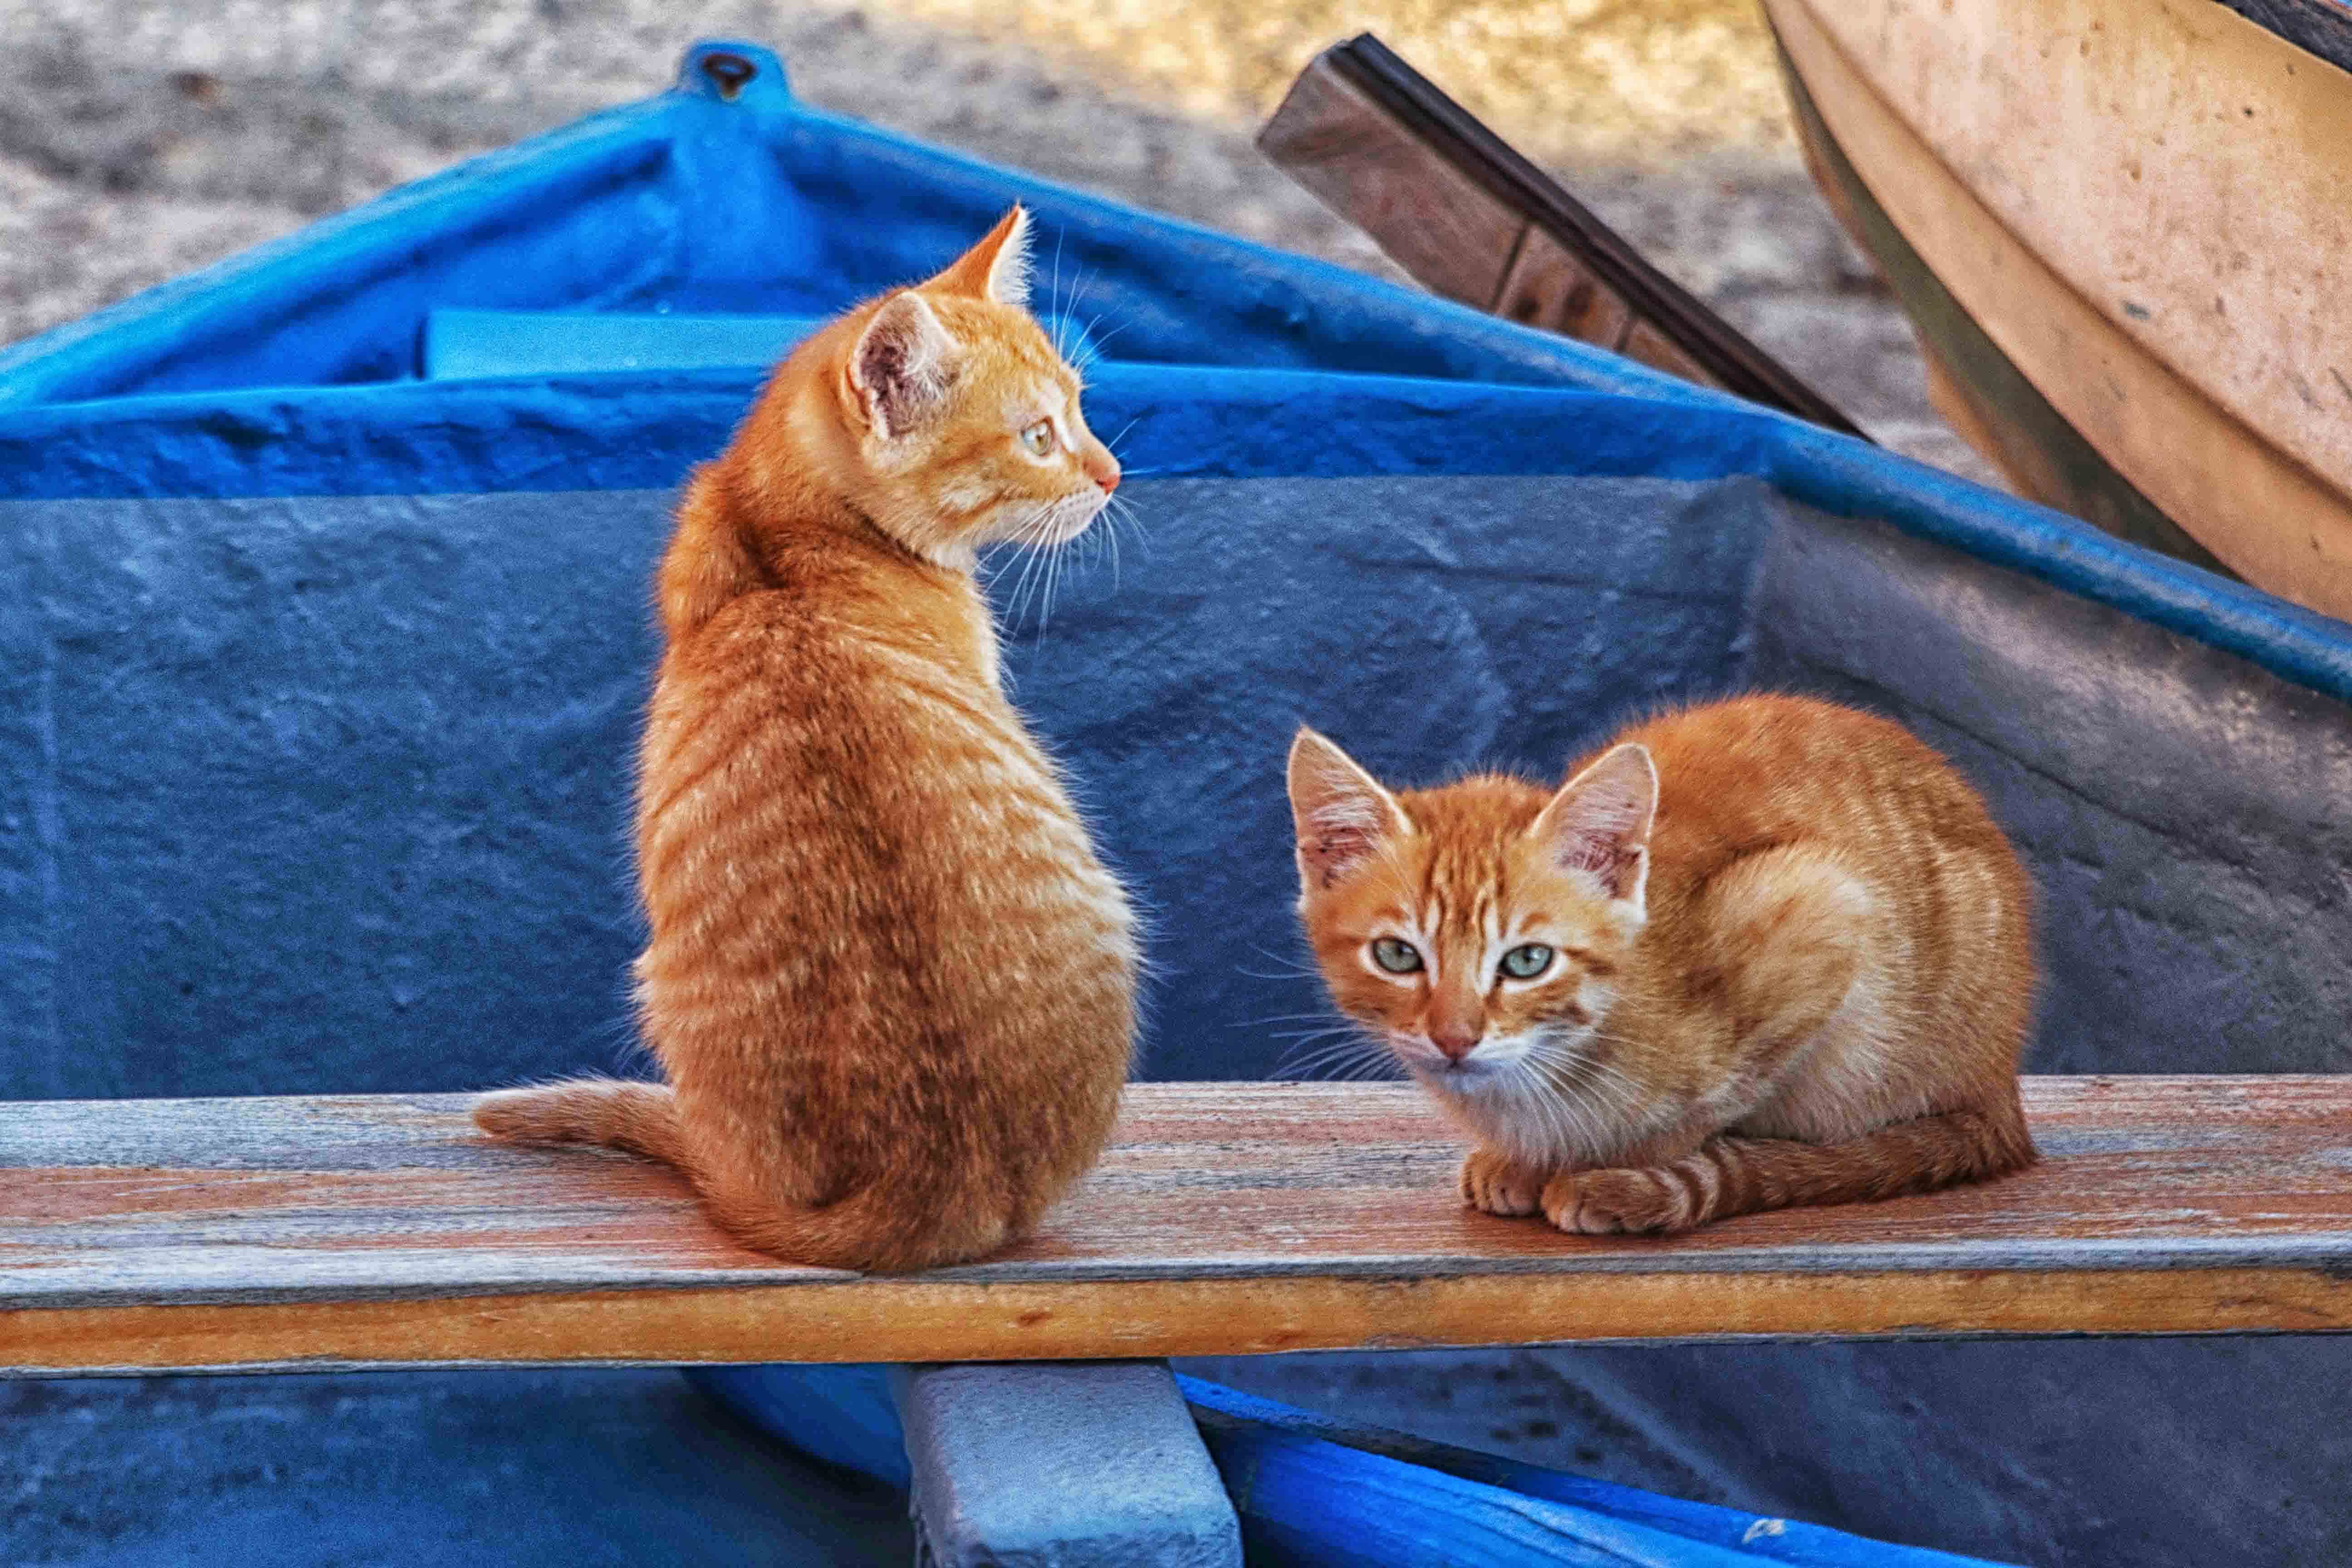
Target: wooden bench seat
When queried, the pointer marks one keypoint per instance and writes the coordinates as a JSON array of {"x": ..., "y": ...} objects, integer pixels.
[{"x": 1227, "y": 1218}]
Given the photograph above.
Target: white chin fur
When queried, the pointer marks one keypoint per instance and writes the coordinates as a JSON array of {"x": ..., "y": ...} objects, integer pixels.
[
  {"x": 1075, "y": 514},
  {"x": 1485, "y": 1066},
  {"x": 1500, "y": 1051},
  {"x": 1065, "y": 532},
  {"x": 1056, "y": 525},
  {"x": 1471, "y": 1077}
]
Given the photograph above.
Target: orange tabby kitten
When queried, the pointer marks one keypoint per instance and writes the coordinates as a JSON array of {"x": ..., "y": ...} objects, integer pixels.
[
  {"x": 890, "y": 983},
  {"x": 1761, "y": 952}
]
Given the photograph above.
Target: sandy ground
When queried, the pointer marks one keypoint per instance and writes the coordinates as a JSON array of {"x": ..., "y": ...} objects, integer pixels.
[{"x": 140, "y": 140}]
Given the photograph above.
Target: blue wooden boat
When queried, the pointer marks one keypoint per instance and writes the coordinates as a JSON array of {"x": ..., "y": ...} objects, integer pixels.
[{"x": 325, "y": 641}]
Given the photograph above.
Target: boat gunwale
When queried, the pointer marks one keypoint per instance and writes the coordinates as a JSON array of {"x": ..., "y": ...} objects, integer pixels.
[{"x": 2320, "y": 28}]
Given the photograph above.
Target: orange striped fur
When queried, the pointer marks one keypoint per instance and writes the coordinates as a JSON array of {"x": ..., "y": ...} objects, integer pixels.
[
  {"x": 889, "y": 982},
  {"x": 1786, "y": 958}
]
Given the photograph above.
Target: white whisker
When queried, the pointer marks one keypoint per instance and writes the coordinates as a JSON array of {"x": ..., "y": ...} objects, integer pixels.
[
  {"x": 1024, "y": 534},
  {"x": 1054, "y": 296}
]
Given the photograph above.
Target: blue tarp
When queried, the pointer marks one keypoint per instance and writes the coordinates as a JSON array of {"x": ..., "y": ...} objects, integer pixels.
[
  {"x": 1312, "y": 1490},
  {"x": 321, "y": 674}
]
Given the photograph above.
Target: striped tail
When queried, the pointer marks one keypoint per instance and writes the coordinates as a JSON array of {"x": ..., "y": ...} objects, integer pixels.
[
  {"x": 1730, "y": 1175},
  {"x": 916, "y": 1223},
  {"x": 639, "y": 1117}
]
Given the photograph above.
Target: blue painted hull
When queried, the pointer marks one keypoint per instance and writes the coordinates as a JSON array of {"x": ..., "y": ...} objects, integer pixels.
[{"x": 323, "y": 648}]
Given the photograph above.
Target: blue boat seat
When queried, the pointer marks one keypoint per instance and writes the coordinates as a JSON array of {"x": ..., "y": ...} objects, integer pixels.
[{"x": 459, "y": 345}]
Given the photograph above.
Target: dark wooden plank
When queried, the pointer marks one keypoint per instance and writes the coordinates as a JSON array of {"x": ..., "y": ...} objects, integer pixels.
[
  {"x": 1226, "y": 1219},
  {"x": 1457, "y": 208},
  {"x": 1432, "y": 220},
  {"x": 1549, "y": 287}
]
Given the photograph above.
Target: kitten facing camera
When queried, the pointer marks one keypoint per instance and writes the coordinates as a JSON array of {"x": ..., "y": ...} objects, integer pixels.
[
  {"x": 1756, "y": 953},
  {"x": 890, "y": 983}
]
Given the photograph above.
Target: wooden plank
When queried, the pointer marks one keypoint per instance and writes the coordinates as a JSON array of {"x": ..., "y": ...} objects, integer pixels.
[
  {"x": 1549, "y": 287},
  {"x": 1227, "y": 1218},
  {"x": 1093, "y": 1466},
  {"x": 1455, "y": 206},
  {"x": 1431, "y": 218}
]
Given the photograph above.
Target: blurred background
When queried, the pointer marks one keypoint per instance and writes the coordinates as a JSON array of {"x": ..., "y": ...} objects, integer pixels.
[{"x": 140, "y": 140}]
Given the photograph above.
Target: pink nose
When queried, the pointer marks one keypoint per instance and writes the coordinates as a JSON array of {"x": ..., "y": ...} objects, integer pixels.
[
  {"x": 1104, "y": 472},
  {"x": 1454, "y": 1043}
]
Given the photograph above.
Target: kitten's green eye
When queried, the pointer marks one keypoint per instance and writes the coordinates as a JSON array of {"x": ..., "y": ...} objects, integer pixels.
[
  {"x": 1527, "y": 962},
  {"x": 1396, "y": 957},
  {"x": 1038, "y": 437}
]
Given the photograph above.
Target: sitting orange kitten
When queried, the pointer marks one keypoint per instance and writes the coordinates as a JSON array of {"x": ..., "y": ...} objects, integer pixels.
[
  {"x": 889, "y": 982},
  {"x": 1761, "y": 952}
]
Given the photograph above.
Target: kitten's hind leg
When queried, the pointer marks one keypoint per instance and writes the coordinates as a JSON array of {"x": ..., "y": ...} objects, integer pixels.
[
  {"x": 1730, "y": 1175},
  {"x": 1496, "y": 1183}
]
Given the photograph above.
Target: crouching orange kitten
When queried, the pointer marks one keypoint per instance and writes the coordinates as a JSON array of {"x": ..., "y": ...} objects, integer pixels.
[
  {"x": 1761, "y": 952},
  {"x": 888, "y": 982}
]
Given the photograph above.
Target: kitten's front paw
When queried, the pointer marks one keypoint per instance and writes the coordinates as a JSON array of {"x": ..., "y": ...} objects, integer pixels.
[
  {"x": 1498, "y": 1185},
  {"x": 1619, "y": 1201}
]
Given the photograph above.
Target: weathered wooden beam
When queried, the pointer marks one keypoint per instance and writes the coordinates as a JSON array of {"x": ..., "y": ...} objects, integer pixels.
[
  {"x": 1470, "y": 218},
  {"x": 1227, "y": 1218},
  {"x": 1070, "y": 1464}
]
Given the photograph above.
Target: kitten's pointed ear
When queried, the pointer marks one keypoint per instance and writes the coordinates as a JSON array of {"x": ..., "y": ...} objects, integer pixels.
[
  {"x": 997, "y": 268},
  {"x": 1342, "y": 815},
  {"x": 1599, "y": 822},
  {"x": 899, "y": 370}
]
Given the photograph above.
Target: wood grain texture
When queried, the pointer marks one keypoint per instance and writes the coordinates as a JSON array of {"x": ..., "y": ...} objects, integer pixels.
[
  {"x": 1977, "y": 389},
  {"x": 1547, "y": 286},
  {"x": 2139, "y": 206},
  {"x": 1227, "y": 1218},
  {"x": 1431, "y": 218},
  {"x": 2183, "y": 169}
]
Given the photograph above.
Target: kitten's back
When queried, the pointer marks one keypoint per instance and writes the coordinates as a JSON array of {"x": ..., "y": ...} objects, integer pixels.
[
  {"x": 879, "y": 926},
  {"x": 888, "y": 981},
  {"x": 1776, "y": 801},
  {"x": 1767, "y": 771}
]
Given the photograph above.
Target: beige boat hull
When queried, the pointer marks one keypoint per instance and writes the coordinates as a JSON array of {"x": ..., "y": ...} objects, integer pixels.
[{"x": 2134, "y": 222}]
